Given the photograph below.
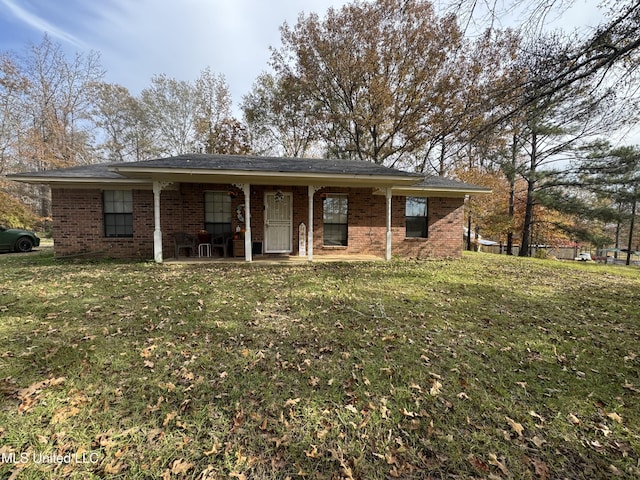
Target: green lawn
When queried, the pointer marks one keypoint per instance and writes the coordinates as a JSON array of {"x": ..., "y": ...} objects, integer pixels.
[{"x": 484, "y": 367}]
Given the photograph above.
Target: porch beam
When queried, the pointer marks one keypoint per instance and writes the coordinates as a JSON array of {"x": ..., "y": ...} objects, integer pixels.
[
  {"x": 312, "y": 189},
  {"x": 248, "y": 254},
  {"x": 157, "y": 232},
  {"x": 389, "y": 236}
]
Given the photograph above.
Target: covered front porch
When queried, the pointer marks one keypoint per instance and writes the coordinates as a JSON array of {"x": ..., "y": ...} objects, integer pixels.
[{"x": 270, "y": 222}]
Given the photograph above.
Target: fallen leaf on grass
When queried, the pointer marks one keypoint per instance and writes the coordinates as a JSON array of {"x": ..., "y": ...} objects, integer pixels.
[
  {"x": 238, "y": 420},
  {"x": 215, "y": 448},
  {"x": 37, "y": 386},
  {"x": 146, "y": 352},
  {"x": 351, "y": 408},
  {"x": 239, "y": 476},
  {"x": 7, "y": 385},
  {"x": 169, "y": 386},
  {"x": 28, "y": 396},
  {"x": 541, "y": 468},
  {"x": 436, "y": 388},
  {"x": 105, "y": 440},
  {"x": 312, "y": 452},
  {"x": 573, "y": 419},
  {"x": 384, "y": 411},
  {"x": 615, "y": 417},
  {"x": 338, "y": 456},
  {"x": 64, "y": 413},
  {"x": 535, "y": 415},
  {"x": 169, "y": 417},
  {"x": 538, "y": 442},
  {"x": 291, "y": 402},
  {"x": 597, "y": 446},
  {"x": 154, "y": 434},
  {"x": 493, "y": 460},
  {"x": 26, "y": 405},
  {"x": 517, "y": 427},
  {"x": 477, "y": 463},
  {"x": 114, "y": 467},
  {"x": 181, "y": 466}
]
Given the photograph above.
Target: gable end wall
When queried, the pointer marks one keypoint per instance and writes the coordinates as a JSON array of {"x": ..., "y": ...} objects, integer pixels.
[{"x": 78, "y": 225}]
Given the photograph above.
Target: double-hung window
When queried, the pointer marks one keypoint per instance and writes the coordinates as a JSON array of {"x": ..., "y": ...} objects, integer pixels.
[
  {"x": 217, "y": 213},
  {"x": 335, "y": 215},
  {"x": 416, "y": 214},
  {"x": 118, "y": 213}
]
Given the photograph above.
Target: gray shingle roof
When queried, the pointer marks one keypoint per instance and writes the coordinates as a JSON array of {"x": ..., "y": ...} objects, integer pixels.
[
  {"x": 244, "y": 163},
  {"x": 100, "y": 170},
  {"x": 200, "y": 161}
]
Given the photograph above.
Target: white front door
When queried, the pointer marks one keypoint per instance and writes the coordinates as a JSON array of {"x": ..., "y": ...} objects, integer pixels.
[{"x": 277, "y": 222}]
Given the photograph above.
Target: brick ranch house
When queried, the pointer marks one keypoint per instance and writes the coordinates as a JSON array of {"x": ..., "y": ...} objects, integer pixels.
[{"x": 260, "y": 205}]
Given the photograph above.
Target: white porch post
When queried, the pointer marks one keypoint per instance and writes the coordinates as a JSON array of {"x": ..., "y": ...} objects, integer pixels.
[
  {"x": 157, "y": 232},
  {"x": 312, "y": 191},
  {"x": 248, "y": 254},
  {"x": 388, "y": 197}
]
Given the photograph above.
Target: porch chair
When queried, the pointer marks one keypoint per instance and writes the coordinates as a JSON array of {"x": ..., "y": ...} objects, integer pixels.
[
  {"x": 221, "y": 241},
  {"x": 183, "y": 240}
]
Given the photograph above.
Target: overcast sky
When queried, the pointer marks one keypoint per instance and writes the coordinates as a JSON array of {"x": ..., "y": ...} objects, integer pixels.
[{"x": 140, "y": 38}]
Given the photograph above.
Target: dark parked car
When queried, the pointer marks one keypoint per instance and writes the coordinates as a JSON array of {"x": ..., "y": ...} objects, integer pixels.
[{"x": 17, "y": 240}]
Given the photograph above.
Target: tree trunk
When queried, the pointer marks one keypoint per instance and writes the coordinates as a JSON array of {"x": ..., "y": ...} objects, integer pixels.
[
  {"x": 528, "y": 214},
  {"x": 618, "y": 228},
  {"x": 631, "y": 225},
  {"x": 512, "y": 195},
  {"x": 441, "y": 169}
]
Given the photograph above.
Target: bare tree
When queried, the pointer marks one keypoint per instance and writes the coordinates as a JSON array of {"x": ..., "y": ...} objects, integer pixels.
[
  {"x": 213, "y": 109},
  {"x": 125, "y": 133},
  {"x": 170, "y": 107},
  {"x": 13, "y": 86},
  {"x": 54, "y": 128},
  {"x": 608, "y": 55}
]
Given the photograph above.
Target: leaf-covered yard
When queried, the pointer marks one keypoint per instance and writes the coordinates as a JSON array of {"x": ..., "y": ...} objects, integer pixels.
[{"x": 484, "y": 367}]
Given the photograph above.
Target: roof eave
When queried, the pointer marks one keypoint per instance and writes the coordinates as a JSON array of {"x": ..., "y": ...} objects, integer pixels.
[
  {"x": 80, "y": 182},
  {"x": 435, "y": 191}
]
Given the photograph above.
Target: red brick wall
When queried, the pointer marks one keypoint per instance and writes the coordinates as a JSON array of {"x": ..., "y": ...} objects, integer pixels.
[
  {"x": 79, "y": 225},
  {"x": 366, "y": 222},
  {"x": 444, "y": 229},
  {"x": 79, "y": 229}
]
